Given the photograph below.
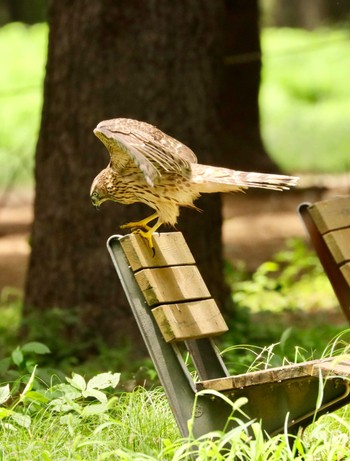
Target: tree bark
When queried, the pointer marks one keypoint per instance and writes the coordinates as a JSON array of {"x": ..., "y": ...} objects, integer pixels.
[
  {"x": 241, "y": 142},
  {"x": 153, "y": 61}
]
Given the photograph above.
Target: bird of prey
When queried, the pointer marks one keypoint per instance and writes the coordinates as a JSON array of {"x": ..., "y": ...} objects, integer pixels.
[{"x": 148, "y": 166}]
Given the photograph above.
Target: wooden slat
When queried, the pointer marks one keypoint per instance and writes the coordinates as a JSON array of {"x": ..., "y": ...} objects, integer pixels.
[
  {"x": 338, "y": 242},
  {"x": 331, "y": 214},
  {"x": 169, "y": 249},
  {"x": 171, "y": 284},
  {"x": 345, "y": 269},
  {"x": 198, "y": 319},
  {"x": 254, "y": 378},
  {"x": 335, "y": 366}
]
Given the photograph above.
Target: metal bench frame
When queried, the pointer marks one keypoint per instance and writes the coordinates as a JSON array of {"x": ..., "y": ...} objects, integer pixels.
[{"x": 280, "y": 398}]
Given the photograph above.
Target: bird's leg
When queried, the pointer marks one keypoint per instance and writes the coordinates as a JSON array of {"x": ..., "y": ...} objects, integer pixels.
[
  {"x": 143, "y": 224},
  {"x": 149, "y": 233}
]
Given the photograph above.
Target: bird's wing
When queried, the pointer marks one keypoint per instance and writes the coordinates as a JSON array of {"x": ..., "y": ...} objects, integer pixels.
[{"x": 146, "y": 146}]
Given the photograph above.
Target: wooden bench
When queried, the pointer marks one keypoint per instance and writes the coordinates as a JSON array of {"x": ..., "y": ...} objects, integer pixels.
[
  {"x": 328, "y": 224},
  {"x": 173, "y": 308}
]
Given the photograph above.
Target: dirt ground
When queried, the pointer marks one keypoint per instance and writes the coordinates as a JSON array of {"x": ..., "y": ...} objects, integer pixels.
[{"x": 256, "y": 225}]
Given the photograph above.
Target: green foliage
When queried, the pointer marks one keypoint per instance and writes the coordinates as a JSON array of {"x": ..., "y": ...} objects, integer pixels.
[
  {"x": 305, "y": 98},
  {"x": 283, "y": 309},
  {"x": 10, "y": 318},
  {"x": 294, "y": 279},
  {"x": 91, "y": 420},
  {"x": 23, "y": 53},
  {"x": 82, "y": 419}
]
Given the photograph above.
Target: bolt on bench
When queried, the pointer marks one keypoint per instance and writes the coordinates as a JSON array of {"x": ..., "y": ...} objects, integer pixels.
[
  {"x": 173, "y": 307},
  {"x": 328, "y": 224}
]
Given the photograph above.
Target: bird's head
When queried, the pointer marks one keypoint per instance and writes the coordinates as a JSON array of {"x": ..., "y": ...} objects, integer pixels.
[{"x": 98, "y": 192}]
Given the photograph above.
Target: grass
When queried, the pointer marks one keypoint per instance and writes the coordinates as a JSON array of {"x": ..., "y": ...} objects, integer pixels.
[
  {"x": 79, "y": 420},
  {"x": 58, "y": 423},
  {"x": 304, "y": 99}
]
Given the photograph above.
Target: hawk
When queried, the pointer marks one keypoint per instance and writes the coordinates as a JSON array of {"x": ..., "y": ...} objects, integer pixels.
[{"x": 148, "y": 166}]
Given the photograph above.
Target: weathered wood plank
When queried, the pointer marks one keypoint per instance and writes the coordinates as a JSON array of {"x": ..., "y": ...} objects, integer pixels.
[
  {"x": 169, "y": 249},
  {"x": 345, "y": 270},
  {"x": 171, "y": 284},
  {"x": 334, "y": 366},
  {"x": 256, "y": 377},
  {"x": 192, "y": 320},
  {"x": 338, "y": 242},
  {"x": 331, "y": 214}
]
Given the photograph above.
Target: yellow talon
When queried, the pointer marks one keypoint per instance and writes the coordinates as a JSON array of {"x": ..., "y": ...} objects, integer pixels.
[
  {"x": 148, "y": 236},
  {"x": 143, "y": 224},
  {"x": 142, "y": 228},
  {"x": 135, "y": 227}
]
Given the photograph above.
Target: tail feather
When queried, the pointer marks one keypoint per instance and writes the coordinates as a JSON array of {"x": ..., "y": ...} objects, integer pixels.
[{"x": 216, "y": 179}]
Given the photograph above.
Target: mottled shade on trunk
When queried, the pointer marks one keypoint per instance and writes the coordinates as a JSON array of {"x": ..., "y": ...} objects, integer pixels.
[{"x": 159, "y": 62}]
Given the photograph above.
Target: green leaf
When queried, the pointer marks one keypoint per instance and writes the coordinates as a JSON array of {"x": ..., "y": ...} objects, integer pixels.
[
  {"x": 17, "y": 356},
  {"x": 104, "y": 380},
  {"x": 4, "y": 393},
  {"x": 96, "y": 394},
  {"x": 61, "y": 406},
  {"x": 77, "y": 381},
  {"x": 29, "y": 385},
  {"x": 5, "y": 413},
  {"x": 68, "y": 391},
  {"x": 37, "y": 397},
  {"x": 36, "y": 347},
  {"x": 96, "y": 409},
  {"x": 21, "y": 420}
]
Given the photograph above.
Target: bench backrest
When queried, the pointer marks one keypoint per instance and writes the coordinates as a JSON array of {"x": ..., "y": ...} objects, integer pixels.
[
  {"x": 173, "y": 288},
  {"x": 328, "y": 224},
  {"x": 174, "y": 293}
]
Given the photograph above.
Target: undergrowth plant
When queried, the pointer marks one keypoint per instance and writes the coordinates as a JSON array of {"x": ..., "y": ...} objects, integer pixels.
[
  {"x": 81, "y": 419},
  {"x": 78, "y": 418},
  {"x": 293, "y": 280},
  {"x": 287, "y": 305},
  {"x": 90, "y": 420}
]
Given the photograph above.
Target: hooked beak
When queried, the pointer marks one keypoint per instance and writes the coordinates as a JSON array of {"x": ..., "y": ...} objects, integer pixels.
[{"x": 95, "y": 203}]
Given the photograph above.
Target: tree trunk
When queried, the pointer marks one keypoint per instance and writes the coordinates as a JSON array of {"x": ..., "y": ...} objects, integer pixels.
[
  {"x": 241, "y": 143},
  {"x": 153, "y": 61}
]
